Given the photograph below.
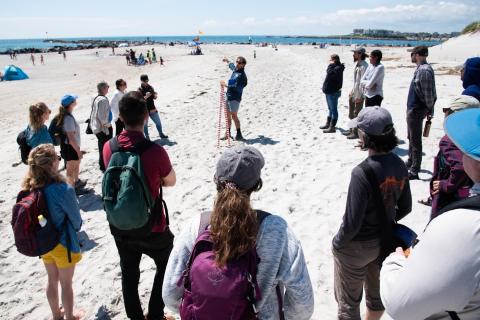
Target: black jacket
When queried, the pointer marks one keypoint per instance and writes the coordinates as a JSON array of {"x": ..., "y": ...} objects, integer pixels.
[{"x": 334, "y": 79}]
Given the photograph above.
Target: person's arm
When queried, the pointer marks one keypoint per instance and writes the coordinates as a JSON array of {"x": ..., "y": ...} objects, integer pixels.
[
  {"x": 404, "y": 204},
  {"x": 177, "y": 263},
  {"x": 376, "y": 77},
  {"x": 103, "y": 109},
  {"x": 440, "y": 274},
  {"x": 170, "y": 180},
  {"x": 426, "y": 85},
  {"x": 71, "y": 207},
  {"x": 357, "y": 202},
  {"x": 457, "y": 176}
]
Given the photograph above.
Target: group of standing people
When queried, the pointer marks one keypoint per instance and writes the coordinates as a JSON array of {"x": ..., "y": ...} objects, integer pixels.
[{"x": 429, "y": 283}]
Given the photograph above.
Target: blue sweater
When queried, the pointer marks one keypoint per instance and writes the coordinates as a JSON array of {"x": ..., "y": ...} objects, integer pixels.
[
  {"x": 237, "y": 82},
  {"x": 37, "y": 138},
  {"x": 62, "y": 203}
]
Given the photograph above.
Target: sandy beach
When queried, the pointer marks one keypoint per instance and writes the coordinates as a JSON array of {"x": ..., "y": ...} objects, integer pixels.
[{"x": 306, "y": 174}]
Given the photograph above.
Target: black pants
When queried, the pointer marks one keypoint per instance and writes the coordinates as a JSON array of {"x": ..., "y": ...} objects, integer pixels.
[
  {"x": 373, "y": 101},
  {"x": 102, "y": 138},
  {"x": 414, "y": 126},
  {"x": 119, "y": 126},
  {"x": 158, "y": 247}
]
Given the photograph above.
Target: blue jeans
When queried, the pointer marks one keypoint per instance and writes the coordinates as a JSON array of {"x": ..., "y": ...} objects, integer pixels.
[
  {"x": 156, "y": 119},
  {"x": 332, "y": 102}
]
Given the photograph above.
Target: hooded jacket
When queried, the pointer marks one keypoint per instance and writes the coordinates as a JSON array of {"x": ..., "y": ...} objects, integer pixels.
[
  {"x": 471, "y": 78},
  {"x": 334, "y": 79}
]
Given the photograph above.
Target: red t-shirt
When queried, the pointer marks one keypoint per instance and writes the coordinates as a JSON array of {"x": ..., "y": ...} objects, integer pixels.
[{"x": 155, "y": 163}]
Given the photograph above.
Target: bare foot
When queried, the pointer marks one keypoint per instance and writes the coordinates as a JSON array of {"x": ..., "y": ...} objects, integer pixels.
[
  {"x": 168, "y": 317},
  {"x": 59, "y": 314},
  {"x": 77, "y": 315}
]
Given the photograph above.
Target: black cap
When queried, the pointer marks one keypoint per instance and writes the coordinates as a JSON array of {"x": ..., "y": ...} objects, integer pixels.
[
  {"x": 143, "y": 77},
  {"x": 421, "y": 51}
]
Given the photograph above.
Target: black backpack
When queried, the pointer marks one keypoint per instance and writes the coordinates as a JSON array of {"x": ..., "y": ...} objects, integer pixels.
[
  {"x": 23, "y": 146},
  {"x": 56, "y": 132}
]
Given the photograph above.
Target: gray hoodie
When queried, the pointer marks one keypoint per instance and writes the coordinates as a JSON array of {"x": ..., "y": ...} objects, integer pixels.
[{"x": 282, "y": 262}]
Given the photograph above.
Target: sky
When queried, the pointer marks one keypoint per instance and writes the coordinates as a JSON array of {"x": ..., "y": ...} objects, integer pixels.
[{"x": 97, "y": 18}]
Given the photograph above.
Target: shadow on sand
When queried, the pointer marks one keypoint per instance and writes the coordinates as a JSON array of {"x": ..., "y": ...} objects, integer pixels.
[{"x": 261, "y": 140}]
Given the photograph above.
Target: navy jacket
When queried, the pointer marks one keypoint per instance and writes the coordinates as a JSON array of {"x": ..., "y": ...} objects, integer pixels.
[
  {"x": 334, "y": 79},
  {"x": 237, "y": 82},
  {"x": 471, "y": 78}
]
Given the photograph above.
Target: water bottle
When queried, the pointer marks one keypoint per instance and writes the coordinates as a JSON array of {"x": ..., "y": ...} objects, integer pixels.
[{"x": 42, "y": 221}]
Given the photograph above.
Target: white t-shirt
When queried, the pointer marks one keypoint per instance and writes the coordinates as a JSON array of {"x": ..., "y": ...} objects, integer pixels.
[
  {"x": 114, "y": 104},
  {"x": 71, "y": 125}
]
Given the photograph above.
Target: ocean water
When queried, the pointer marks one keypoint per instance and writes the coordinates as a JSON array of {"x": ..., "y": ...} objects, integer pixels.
[{"x": 40, "y": 44}]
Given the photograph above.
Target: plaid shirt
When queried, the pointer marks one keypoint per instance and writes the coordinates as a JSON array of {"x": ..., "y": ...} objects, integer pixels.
[{"x": 424, "y": 84}]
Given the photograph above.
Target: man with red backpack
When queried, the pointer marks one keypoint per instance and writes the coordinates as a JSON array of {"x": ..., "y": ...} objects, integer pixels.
[{"x": 139, "y": 224}]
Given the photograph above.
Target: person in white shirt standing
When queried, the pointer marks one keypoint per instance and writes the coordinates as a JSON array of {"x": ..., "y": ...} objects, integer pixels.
[
  {"x": 121, "y": 88},
  {"x": 440, "y": 279},
  {"x": 100, "y": 120},
  {"x": 372, "y": 81}
]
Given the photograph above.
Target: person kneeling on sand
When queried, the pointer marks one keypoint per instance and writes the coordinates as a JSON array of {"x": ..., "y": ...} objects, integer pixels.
[
  {"x": 237, "y": 231},
  {"x": 63, "y": 208},
  {"x": 238, "y": 81},
  {"x": 357, "y": 247},
  {"x": 440, "y": 279}
]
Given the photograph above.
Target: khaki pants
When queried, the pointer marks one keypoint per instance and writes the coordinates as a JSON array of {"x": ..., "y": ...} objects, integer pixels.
[
  {"x": 354, "y": 109},
  {"x": 356, "y": 266}
]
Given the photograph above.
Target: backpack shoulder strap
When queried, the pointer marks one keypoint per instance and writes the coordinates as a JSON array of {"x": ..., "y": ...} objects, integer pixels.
[{"x": 204, "y": 221}]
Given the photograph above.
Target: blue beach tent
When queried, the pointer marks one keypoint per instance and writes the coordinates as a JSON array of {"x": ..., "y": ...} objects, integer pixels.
[{"x": 12, "y": 72}]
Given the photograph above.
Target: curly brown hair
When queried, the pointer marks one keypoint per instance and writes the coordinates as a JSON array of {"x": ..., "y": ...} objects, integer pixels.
[
  {"x": 40, "y": 168},
  {"x": 233, "y": 224},
  {"x": 36, "y": 112}
]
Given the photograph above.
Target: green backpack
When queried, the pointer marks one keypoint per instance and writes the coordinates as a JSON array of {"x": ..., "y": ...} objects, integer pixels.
[{"x": 129, "y": 205}]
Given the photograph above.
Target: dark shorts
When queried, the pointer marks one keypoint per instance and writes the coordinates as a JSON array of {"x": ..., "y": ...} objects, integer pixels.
[{"x": 68, "y": 153}]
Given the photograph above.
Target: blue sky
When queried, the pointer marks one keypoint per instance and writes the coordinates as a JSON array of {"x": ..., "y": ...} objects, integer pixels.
[{"x": 84, "y": 18}]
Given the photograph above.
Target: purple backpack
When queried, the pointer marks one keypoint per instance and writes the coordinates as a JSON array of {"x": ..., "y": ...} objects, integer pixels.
[{"x": 219, "y": 293}]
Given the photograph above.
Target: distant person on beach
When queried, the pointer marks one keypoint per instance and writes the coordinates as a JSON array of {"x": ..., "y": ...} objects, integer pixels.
[
  {"x": 14, "y": 55},
  {"x": 101, "y": 120},
  {"x": 150, "y": 96},
  {"x": 133, "y": 59},
  {"x": 154, "y": 56},
  {"x": 113, "y": 50},
  {"x": 355, "y": 98},
  {"x": 149, "y": 57},
  {"x": 41, "y": 59},
  {"x": 157, "y": 244},
  {"x": 440, "y": 279},
  {"x": 372, "y": 81},
  {"x": 63, "y": 209},
  {"x": 332, "y": 88},
  {"x": 238, "y": 81},
  {"x": 254, "y": 54},
  {"x": 357, "y": 246},
  {"x": 449, "y": 182},
  {"x": 161, "y": 60},
  {"x": 70, "y": 145},
  {"x": 32, "y": 58},
  {"x": 64, "y": 56},
  {"x": 422, "y": 96},
  {"x": 121, "y": 86},
  {"x": 236, "y": 229},
  {"x": 37, "y": 131}
]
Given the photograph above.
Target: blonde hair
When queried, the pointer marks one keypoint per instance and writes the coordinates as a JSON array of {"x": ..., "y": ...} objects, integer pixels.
[
  {"x": 40, "y": 168},
  {"x": 36, "y": 112}
]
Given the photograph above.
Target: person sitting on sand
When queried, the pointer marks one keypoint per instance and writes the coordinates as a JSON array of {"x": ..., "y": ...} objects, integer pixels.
[
  {"x": 63, "y": 208},
  {"x": 238, "y": 81},
  {"x": 37, "y": 131},
  {"x": 282, "y": 273},
  {"x": 70, "y": 146},
  {"x": 357, "y": 246},
  {"x": 440, "y": 279}
]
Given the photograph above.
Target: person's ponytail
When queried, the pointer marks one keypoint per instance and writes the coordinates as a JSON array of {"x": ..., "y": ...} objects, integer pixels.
[{"x": 233, "y": 224}]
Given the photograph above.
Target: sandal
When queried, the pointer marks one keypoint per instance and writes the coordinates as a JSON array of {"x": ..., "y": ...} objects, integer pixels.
[{"x": 426, "y": 202}]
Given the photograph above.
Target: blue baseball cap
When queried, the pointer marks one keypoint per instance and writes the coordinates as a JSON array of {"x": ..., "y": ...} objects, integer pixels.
[
  {"x": 463, "y": 128},
  {"x": 68, "y": 99}
]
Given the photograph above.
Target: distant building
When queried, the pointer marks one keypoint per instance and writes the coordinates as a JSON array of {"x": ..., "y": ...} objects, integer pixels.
[{"x": 358, "y": 31}]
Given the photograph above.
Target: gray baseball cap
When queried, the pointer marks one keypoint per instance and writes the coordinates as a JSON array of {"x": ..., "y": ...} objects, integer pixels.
[
  {"x": 360, "y": 50},
  {"x": 372, "y": 120},
  {"x": 241, "y": 165}
]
